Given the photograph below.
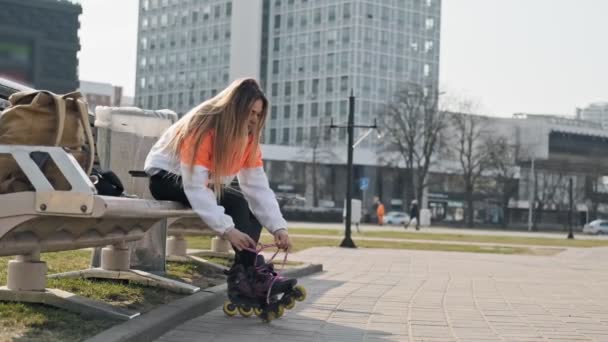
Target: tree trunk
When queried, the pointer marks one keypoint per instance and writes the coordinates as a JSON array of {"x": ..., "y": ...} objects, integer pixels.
[
  {"x": 315, "y": 194},
  {"x": 470, "y": 211},
  {"x": 506, "y": 213}
]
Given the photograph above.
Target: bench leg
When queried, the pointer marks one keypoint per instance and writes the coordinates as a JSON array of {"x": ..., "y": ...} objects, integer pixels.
[
  {"x": 177, "y": 246},
  {"x": 115, "y": 266},
  {"x": 27, "y": 283}
]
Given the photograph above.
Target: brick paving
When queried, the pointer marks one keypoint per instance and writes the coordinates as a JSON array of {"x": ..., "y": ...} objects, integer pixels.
[{"x": 401, "y": 295}]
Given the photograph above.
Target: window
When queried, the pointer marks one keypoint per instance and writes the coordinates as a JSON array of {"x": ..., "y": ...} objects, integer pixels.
[
  {"x": 315, "y": 63},
  {"x": 229, "y": 9},
  {"x": 287, "y": 111},
  {"x": 275, "y": 67},
  {"x": 288, "y": 89},
  {"x": 317, "y": 16},
  {"x": 328, "y": 108},
  {"x": 290, "y": 21},
  {"x": 344, "y": 61},
  {"x": 316, "y": 40},
  {"x": 273, "y": 112},
  {"x": 300, "y": 113},
  {"x": 428, "y": 46},
  {"x": 216, "y": 11},
  {"x": 277, "y": 42},
  {"x": 285, "y": 136},
  {"x": 346, "y": 11},
  {"x": 343, "y": 108},
  {"x": 332, "y": 37},
  {"x": 330, "y": 62},
  {"x": 303, "y": 20},
  {"x": 314, "y": 109},
  {"x": 345, "y": 36},
  {"x": 429, "y": 23},
  {"x": 314, "y": 133},
  {"x": 329, "y": 84},
  {"x": 277, "y": 21},
  {"x": 342, "y": 132},
  {"x": 315, "y": 86},
  {"x": 331, "y": 14},
  {"x": 273, "y": 136},
  {"x": 299, "y": 135},
  {"x": 301, "y": 87},
  {"x": 427, "y": 70},
  {"x": 344, "y": 83}
]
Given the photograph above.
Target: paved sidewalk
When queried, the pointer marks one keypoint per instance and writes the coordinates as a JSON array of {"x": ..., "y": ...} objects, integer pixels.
[{"x": 400, "y": 295}]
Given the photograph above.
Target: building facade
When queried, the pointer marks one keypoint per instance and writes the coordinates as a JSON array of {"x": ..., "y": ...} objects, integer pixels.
[
  {"x": 39, "y": 43},
  {"x": 307, "y": 54},
  {"x": 101, "y": 94},
  {"x": 595, "y": 112}
]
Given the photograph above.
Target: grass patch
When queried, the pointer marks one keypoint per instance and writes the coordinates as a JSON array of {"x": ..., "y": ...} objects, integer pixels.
[
  {"x": 301, "y": 243},
  {"x": 45, "y": 323},
  {"x": 515, "y": 240},
  {"x": 33, "y": 322},
  {"x": 199, "y": 242}
]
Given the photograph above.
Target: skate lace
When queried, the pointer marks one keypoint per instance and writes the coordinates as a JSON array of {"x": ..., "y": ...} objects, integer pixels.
[{"x": 267, "y": 265}]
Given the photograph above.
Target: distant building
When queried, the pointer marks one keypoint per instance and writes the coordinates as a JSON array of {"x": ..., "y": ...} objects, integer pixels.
[
  {"x": 595, "y": 112},
  {"x": 39, "y": 43},
  {"x": 101, "y": 94}
]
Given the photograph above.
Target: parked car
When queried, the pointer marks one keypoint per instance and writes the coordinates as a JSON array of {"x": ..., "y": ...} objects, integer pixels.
[
  {"x": 596, "y": 227},
  {"x": 396, "y": 217}
]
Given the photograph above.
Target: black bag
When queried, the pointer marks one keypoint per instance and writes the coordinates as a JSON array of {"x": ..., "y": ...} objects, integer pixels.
[{"x": 108, "y": 184}]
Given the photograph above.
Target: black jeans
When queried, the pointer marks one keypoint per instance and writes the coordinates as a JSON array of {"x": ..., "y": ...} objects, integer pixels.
[{"x": 166, "y": 186}]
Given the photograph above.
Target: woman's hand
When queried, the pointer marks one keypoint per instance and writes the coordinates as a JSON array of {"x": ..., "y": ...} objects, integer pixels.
[
  {"x": 239, "y": 240},
  {"x": 281, "y": 238}
]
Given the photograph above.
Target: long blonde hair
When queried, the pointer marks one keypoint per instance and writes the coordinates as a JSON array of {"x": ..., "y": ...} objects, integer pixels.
[{"x": 227, "y": 116}]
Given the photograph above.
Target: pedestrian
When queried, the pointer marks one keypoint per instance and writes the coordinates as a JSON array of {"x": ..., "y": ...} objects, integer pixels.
[
  {"x": 414, "y": 215},
  {"x": 380, "y": 212}
]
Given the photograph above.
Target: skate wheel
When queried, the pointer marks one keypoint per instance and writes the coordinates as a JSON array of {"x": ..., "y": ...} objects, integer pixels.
[
  {"x": 230, "y": 309},
  {"x": 300, "y": 293},
  {"x": 257, "y": 312},
  {"x": 246, "y": 311},
  {"x": 268, "y": 316},
  {"x": 280, "y": 311},
  {"x": 291, "y": 303}
]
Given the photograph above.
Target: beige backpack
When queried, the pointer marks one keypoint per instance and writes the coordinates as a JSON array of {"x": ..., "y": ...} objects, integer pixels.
[{"x": 42, "y": 118}]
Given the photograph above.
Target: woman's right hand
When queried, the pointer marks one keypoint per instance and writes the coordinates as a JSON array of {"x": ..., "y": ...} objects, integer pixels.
[{"x": 240, "y": 240}]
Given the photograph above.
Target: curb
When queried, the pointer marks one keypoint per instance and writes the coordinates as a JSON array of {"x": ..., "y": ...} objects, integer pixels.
[{"x": 155, "y": 323}]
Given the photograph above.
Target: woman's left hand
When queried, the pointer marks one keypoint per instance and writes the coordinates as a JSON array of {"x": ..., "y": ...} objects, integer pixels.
[{"x": 281, "y": 238}]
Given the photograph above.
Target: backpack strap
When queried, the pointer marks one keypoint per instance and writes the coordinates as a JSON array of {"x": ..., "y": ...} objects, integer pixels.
[{"x": 86, "y": 126}]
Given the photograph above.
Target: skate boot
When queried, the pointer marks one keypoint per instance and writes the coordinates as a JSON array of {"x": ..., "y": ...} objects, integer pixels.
[
  {"x": 282, "y": 285},
  {"x": 256, "y": 291}
]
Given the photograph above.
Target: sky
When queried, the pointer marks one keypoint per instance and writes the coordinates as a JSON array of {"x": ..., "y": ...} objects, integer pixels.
[{"x": 509, "y": 56}]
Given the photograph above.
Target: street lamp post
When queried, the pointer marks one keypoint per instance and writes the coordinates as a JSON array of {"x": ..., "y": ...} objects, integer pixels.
[
  {"x": 348, "y": 241},
  {"x": 571, "y": 201}
]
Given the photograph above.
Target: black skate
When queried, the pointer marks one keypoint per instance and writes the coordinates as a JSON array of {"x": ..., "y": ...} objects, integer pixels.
[{"x": 261, "y": 291}]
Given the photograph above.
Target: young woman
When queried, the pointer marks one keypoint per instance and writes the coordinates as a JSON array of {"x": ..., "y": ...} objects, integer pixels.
[{"x": 196, "y": 159}]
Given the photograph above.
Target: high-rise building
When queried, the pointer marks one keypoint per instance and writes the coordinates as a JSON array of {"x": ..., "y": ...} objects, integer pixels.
[
  {"x": 39, "y": 43},
  {"x": 308, "y": 55}
]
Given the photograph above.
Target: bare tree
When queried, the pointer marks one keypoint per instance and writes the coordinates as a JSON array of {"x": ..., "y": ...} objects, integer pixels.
[
  {"x": 550, "y": 190},
  {"x": 503, "y": 164},
  {"x": 470, "y": 143},
  {"x": 318, "y": 148},
  {"x": 413, "y": 124}
]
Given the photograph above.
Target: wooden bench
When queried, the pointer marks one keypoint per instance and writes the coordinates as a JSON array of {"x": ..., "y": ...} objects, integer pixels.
[{"x": 46, "y": 220}]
